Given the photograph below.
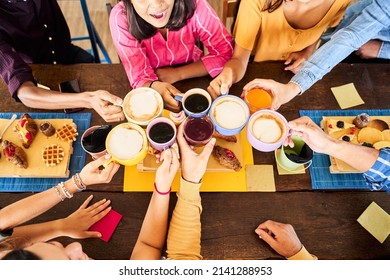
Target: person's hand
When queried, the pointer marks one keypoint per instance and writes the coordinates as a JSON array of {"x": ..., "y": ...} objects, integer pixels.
[
  {"x": 296, "y": 59},
  {"x": 106, "y": 105},
  {"x": 311, "y": 134},
  {"x": 193, "y": 165},
  {"x": 92, "y": 174},
  {"x": 221, "y": 84},
  {"x": 76, "y": 225},
  {"x": 369, "y": 49},
  {"x": 281, "y": 93},
  {"x": 168, "y": 74},
  {"x": 166, "y": 172},
  {"x": 168, "y": 92},
  {"x": 281, "y": 237}
]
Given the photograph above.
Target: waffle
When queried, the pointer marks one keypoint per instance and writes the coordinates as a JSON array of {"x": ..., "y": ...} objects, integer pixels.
[
  {"x": 52, "y": 155},
  {"x": 67, "y": 132}
]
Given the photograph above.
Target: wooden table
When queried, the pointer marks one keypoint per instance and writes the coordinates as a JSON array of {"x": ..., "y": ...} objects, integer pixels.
[{"x": 325, "y": 221}]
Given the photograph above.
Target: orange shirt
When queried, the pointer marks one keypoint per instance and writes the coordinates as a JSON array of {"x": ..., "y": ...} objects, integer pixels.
[{"x": 270, "y": 37}]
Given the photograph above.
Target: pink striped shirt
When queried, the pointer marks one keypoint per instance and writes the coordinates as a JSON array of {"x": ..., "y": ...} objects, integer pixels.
[{"x": 141, "y": 58}]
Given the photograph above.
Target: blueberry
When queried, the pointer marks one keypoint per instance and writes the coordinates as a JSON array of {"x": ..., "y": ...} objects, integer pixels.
[
  {"x": 340, "y": 124},
  {"x": 346, "y": 138}
]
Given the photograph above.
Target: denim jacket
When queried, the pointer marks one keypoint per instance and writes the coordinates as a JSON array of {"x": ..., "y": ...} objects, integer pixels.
[{"x": 373, "y": 22}]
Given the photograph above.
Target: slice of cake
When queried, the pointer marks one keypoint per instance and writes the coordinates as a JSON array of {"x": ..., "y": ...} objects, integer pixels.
[{"x": 337, "y": 128}]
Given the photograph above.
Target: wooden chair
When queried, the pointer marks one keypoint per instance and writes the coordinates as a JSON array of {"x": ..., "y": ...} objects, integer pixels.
[{"x": 229, "y": 11}]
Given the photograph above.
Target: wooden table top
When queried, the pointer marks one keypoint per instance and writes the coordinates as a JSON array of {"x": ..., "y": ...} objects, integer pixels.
[{"x": 324, "y": 220}]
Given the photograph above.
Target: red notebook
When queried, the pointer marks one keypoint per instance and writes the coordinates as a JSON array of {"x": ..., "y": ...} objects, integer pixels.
[{"x": 107, "y": 225}]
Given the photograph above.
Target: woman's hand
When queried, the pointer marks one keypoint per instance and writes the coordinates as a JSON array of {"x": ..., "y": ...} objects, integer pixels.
[
  {"x": 166, "y": 172},
  {"x": 76, "y": 225},
  {"x": 92, "y": 173},
  {"x": 168, "y": 93}
]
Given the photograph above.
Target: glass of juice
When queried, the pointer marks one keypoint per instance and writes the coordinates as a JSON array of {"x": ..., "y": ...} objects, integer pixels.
[{"x": 258, "y": 99}]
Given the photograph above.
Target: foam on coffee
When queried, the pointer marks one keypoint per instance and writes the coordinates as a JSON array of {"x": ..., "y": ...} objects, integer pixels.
[
  {"x": 142, "y": 106},
  {"x": 229, "y": 113},
  {"x": 268, "y": 128},
  {"x": 125, "y": 143}
]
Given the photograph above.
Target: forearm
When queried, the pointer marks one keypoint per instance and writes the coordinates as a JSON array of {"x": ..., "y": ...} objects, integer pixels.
[
  {"x": 235, "y": 69},
  {"x": 30, "y": 207},
  {"x": 303, "y": 254},
  {"x": 29, "y": 234},
  {"x": 152, "y": 237},
  {"x": 359, "y": 157},
  {"x": 185, "y": 228},
  {"x": 193, "y": 70},
  {"x": 39, "y": 98}
]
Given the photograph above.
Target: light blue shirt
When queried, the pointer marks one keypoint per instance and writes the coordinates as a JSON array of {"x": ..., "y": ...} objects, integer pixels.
[
  {"x": 378, "y": 177},
  {"x": 373, "y": 22}
]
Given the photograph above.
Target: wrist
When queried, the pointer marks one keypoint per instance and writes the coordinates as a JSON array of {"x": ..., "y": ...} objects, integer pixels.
[
  {"x": 293, "y": 89},
  {"x": 192, "y": 179}
]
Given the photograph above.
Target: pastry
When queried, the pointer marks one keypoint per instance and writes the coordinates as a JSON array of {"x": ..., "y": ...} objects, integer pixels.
[
  {"x": 337, "y": 128},
  {"x": 68, "y": 132},
  {"x": 14, "y": 154},
  {"x": 378, "y": 124},
  {"x": 52, "y": 155},
  {"x": 370, "y": 135},
  {"x": 386, "y": 134},
  {"x": 177, "y": 118},
  {"x": 361, "y": 120},
  {"x": 226, "y": 158},
  {"x": 47, "y": 129},
  {"x": 232, "y": 138},
  {"x": 27, "y": 129},
  {"x": 381, "y": 144}
]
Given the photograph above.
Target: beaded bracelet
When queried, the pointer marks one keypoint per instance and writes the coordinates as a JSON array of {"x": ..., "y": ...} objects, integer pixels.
[
  {"x": 83, "y": 186},
  {"x": 75, "y": 184},
  {"x": 58, "y": 193},
  {"x": 162, "y": 193},
  {"x": 64, "y": 190}
]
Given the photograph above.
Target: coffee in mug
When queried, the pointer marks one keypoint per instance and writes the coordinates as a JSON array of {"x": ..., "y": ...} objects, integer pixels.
[
  {"x": 141, "y": 105},
  {"x": 196, "y": 103},
  {"x": 198, "y": 131},
  {"x": 161, "y": 133},
  {"x": 267, "y": 130},
  {"x": 229, "y": 113},
  {"x": 93, "y": 140},
  {"x": 124, "y": 143}
]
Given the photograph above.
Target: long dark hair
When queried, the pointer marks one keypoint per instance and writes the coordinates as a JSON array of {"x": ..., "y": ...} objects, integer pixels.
[
  {"x": 272, "y": 5},
  {"x": 140, "y": 29},
  {"x": 20, "y": 254}
]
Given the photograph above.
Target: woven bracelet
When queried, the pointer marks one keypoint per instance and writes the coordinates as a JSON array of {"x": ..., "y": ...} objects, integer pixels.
[{"x": 162, "y": 193}]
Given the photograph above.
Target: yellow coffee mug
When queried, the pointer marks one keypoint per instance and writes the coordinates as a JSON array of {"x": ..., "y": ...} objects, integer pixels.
[{"x": 133, "y": 160}]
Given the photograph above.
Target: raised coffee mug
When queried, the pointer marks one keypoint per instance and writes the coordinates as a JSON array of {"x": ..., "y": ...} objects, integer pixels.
[
  {"x": 196, "y": 102},
  {"x": 267, "y": 130}
]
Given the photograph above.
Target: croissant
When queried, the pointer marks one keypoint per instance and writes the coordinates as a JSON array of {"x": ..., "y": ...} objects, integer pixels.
[
  {"x": 27, "y": 129},
  {"x": 14, "y": 154}
]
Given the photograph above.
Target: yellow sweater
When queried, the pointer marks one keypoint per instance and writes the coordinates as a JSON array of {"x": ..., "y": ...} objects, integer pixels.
[
  {"x": 184, "y": 234},
  {"x": 270, "y": 37}
]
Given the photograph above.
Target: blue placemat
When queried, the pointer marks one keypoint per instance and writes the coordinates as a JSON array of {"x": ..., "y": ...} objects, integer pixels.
[
  {"x": 77, "y": 160},
  {"x": 321, "y": 178}
]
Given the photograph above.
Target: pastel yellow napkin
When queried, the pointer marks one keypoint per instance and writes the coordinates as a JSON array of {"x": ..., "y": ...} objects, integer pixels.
[
  {"x": 376, "y": 221},
  {"x": 347, "y": 96},
  {"x": 260, "y": 178},
  {"x": 282, "y": 171}
]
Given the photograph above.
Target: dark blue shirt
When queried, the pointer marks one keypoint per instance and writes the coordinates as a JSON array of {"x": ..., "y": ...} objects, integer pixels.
[{"x": 31, "y": 31}]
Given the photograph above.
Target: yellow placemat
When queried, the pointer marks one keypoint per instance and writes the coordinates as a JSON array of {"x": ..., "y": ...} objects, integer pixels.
[
  {"x": 347, "y": 96},
  {"x": 376, "y": 221},
  {"x": 135, "y": 181},
  {"x": 260, "y": 178},
  {"x": 36, "y": 166}
]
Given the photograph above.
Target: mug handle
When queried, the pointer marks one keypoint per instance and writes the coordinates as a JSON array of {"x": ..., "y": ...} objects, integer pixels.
[
  {"x": 107, "y": 163},
  {"x": 179, "y": 97}
]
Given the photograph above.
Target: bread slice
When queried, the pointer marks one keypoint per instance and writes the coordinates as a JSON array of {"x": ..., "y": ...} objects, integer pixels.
[{"x": 337, "y": 128}]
